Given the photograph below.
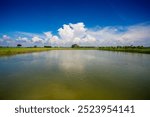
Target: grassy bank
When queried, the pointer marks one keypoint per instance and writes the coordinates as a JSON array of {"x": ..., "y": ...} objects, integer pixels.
[
  {"x": 12, "y": 51},
  {"x": 127, "y": 49},
  {"x": 4, "y": 51}
]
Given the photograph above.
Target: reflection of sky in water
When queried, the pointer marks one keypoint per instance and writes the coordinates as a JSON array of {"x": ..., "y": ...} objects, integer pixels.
[
  {"x": 71, "y": 61},
  {"x": 75, "y": 74}
]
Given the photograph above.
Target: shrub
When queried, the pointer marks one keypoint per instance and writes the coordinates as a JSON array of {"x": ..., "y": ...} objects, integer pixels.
[
  {"x": 75, "y": 46},
  {"x": 19, "y": 45}
]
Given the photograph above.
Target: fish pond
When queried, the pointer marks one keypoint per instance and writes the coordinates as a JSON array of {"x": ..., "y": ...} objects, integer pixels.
[{"x": 75, "y": 74}]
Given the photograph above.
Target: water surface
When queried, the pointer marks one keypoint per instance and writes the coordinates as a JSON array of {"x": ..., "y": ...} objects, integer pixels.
[{"x": 75, "y": 74}]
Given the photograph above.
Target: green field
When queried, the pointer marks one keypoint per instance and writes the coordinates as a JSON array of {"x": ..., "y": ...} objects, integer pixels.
[
  {"x": 127, "y": 49},
  {"x": 14, "y": 50}
]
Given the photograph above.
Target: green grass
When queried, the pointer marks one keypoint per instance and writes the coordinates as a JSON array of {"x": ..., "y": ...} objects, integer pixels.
[
  {"x": 12, "y": 51},
  {"x": 132, "y": 49},
  {"x": 4, "y": 51}
]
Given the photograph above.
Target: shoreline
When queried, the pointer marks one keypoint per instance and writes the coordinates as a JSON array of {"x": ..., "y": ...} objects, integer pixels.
[
  {"x": 8, "y": 51},
  {"x": 145, "y": 50},
  {"x": 14, "y": 50}
]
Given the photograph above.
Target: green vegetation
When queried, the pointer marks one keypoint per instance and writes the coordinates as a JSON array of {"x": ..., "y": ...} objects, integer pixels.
[
  {"x": 19, "y": 45},
  {"x": 47, "y": 46},
  {"x": 15, "y": 50},
  {"x": 137, "y": 49},
  {"x": 83, "y": 47},
  {"x": 19, "y": 50},
  {"x": 75, "y": 46}
]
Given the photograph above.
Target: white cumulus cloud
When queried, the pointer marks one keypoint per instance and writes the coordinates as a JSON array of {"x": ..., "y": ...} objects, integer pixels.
[
  {"x": 77, "y": 33},
  {"x": 37, "y": 41}
]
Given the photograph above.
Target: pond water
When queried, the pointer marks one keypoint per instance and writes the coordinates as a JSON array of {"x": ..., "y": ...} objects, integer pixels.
[{"x": 75, "y": 74}]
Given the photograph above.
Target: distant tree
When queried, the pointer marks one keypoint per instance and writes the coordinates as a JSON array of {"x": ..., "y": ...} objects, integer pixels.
[
  {"x": 19, "y": 45},
  {"x": 47, "y": 46},
  {"x": 75, "y": 46},
  {"x": 140, "y": 47},
  {"x": 35, "y": 46}
]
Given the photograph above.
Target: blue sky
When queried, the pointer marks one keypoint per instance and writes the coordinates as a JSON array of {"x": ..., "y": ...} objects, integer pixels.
[{"x": 39, "y": 16}]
